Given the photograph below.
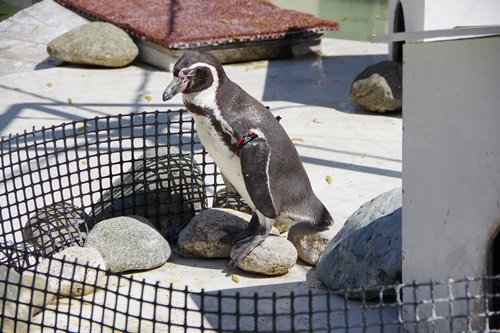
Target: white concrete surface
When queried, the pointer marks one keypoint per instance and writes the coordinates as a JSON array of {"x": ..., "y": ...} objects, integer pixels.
[
  {"x": 360, "y": 151},
  {"x": 451, "y": 157}
]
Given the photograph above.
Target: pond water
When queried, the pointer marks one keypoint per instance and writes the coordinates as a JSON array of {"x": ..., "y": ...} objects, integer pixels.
[
  {"x": 7, "y": 10},
  {"x": 358, "y": 19}
]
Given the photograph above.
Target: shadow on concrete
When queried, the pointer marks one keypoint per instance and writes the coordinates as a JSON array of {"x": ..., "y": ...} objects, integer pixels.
[{"x": 318, "y": 81}]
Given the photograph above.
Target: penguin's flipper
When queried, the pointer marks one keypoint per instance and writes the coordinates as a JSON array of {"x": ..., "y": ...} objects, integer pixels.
[{"x": 254, "y": 158}]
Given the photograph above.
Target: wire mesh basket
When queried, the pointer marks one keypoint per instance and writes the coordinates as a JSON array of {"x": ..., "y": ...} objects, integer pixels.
[{"x": 56, "y": 183}]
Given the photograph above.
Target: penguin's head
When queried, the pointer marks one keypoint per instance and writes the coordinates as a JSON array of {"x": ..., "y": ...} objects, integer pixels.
[{"x": 194, "y": 72}]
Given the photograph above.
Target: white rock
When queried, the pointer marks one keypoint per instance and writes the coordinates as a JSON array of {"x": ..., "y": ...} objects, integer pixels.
[
  {"x": 201, "y": 237},
  {"x": 73, "y": 271},
  {"x": 9, "y": 302},
  {"x": 275, "y": 256},
  {"x": 311, "y": 242}
]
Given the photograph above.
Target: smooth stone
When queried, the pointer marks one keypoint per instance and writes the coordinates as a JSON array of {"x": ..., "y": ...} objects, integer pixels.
[
  {"x": 274, "y": 256},
  {"x": 10, "y": 305},
  {"x": 38, "y": 290},
  {"x": 310, "y": 241},
  {"x": 129, "y": 243},
  {"x": 201, "y": 237},
  {"x": 94, "y": 43},
  {"x": 74, "y": 271},
  {"x": 379, "y": 87}
]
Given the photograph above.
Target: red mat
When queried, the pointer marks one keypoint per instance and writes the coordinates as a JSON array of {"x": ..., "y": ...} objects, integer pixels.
[{"x": 179, "y": 24}]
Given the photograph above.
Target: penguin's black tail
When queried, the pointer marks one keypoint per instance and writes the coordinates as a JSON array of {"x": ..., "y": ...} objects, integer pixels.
[{"x": 323, "y": 218}]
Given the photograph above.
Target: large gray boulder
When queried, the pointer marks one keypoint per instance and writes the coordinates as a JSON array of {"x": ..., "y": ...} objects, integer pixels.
[
  {"x": 95, "y": 43},
  {"x": 129, "y": 243},
  {"x": 367, "y": 252},
  {"x": 379, "y": 87},
  {"x": 163, "y": 185}
]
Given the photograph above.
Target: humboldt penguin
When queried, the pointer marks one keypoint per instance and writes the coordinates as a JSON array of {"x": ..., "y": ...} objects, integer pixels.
[{"x": 250, "y": 147}]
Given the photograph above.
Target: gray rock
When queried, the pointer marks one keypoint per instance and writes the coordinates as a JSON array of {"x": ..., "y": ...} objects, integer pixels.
[
  {"x": 56, "y": 227},
  {"x": 367, "y": 252},
  {"x": 73, "y": 271},
  {"x": 309, "y": 241},
  {"x": 164, "y": 185},
  {"x": 129, "y": 243},
  {"x": 379, "y": 87},
  {"x": 95, "y": 43},
  {"x": 274, "y": 256},
  {"x": 200, "y": 239}
]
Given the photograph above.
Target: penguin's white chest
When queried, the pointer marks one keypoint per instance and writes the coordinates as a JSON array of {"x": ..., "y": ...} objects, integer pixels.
[{"x": 227, "y": 161}]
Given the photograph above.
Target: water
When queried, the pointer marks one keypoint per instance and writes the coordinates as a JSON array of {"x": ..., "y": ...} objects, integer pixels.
[
  {"x": 358, "y": 19},
  {"x": 7, "y": 10}
]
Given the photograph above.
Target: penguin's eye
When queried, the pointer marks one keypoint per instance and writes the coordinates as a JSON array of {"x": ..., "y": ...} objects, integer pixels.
[{"x": 187, "y": 74}]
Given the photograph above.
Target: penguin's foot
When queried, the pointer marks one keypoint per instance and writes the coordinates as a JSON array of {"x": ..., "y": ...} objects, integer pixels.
[
  {"x": 242, "y": 248},
  {"x": 235, "y": 235}
]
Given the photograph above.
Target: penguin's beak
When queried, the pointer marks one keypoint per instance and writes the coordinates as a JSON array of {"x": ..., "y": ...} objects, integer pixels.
[{"x": 177, "y": 85}]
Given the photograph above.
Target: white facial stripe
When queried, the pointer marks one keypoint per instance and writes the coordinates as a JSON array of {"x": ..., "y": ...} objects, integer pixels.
[{"x": 207, "y": 98}]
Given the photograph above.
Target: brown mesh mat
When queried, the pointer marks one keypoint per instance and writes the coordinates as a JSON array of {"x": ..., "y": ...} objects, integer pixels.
[{"x": 186, "y": 23}]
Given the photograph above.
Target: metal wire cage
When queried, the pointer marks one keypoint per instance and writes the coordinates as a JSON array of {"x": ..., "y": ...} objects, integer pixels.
[{"x": 152, "y": 164}]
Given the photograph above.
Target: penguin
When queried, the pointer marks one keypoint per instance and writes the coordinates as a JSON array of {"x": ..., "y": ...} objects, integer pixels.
[{"x": 250, "y": 147}]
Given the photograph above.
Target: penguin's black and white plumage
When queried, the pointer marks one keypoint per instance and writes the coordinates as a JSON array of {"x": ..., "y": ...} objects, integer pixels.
[{"x": 249, "y": 146}]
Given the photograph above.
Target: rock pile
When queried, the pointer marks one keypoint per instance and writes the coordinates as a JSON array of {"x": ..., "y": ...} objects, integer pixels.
[
  {"x": 202, "y": 239},
  {"x": 166, "y": 188}
]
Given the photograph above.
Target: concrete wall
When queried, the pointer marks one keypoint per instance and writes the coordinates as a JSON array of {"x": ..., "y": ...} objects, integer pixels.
[
  {"x": 445, "y": 14},
  {"x": 451, "y": 158}
]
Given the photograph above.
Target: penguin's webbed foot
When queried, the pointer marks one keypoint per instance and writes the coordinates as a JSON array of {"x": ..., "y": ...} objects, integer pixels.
[
  {"x": 243, "y": 247},
  {"x": 247, "y": 239},
  {"x": 234, "y": 235}
]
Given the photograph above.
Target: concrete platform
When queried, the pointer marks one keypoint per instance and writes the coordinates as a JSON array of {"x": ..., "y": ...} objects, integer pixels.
[{"x": 360, "y": 151}]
